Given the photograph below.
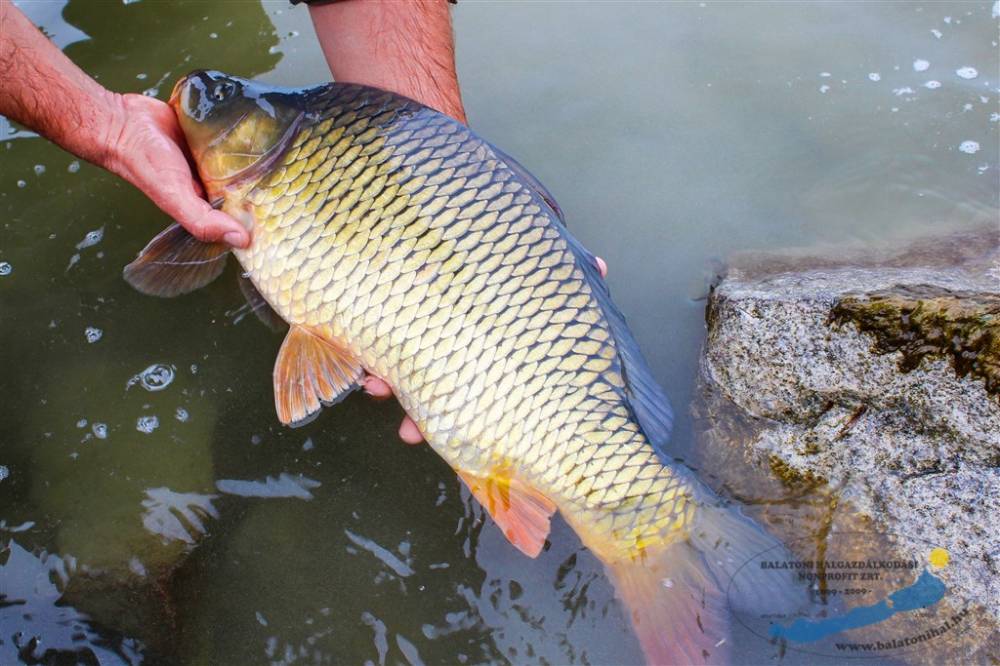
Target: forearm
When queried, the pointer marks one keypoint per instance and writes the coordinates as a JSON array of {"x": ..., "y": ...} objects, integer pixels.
[
  {"x": 42, "y": 89},
  {"x": 406, "y": 47}
]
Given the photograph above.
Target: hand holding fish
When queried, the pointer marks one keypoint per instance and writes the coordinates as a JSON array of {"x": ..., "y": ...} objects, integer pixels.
[
  {"x": 146, "y": 150},
  {"x": 133, "y": 136},
  {"x": 138, "y": 138}
]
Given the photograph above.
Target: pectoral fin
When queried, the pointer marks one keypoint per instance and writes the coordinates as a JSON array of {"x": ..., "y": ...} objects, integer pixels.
[
  {"x": 311, "y": 371},
  {"x": 521, "y": 512},
  {"x": 175, "y": 263}
]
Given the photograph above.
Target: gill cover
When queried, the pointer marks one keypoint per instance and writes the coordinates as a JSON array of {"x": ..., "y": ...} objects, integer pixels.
[{"x": 235, "y": 128}]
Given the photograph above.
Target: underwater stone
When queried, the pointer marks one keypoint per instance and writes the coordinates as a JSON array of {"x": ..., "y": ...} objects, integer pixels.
[{"x": 877, "y": 374}]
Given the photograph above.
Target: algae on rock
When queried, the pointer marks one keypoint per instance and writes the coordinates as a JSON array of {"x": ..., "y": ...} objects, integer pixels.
[{"x": 862, "y": 388}]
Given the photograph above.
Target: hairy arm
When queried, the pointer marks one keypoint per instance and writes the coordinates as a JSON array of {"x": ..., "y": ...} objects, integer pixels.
[
  {"x": 406, "y": 47},
  {"x": 133, "y": 136},
  {"x": 43, "y": 89}
]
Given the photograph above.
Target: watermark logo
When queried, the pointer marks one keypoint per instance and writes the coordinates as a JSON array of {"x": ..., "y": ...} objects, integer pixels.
[{"x": 855, "y": 607}]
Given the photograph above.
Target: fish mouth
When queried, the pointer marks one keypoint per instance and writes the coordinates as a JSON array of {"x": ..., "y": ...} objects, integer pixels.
[{"x": 175, "y": 94}]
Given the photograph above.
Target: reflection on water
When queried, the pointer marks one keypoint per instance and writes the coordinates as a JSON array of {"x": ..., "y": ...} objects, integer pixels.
[{"x": 139, "y": 442}]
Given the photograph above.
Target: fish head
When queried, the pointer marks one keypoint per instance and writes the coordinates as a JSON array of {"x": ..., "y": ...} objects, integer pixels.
[{"x": 235, "y": 128}]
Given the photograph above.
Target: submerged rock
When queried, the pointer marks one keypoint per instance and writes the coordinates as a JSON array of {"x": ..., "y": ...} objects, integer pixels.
[{"x": 875, "y": 377}]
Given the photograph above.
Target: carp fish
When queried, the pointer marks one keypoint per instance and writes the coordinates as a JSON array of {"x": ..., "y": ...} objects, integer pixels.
[{"x": 393, "y": 240}]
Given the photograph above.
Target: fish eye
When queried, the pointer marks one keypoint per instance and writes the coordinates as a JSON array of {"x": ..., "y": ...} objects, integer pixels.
[{"x": 223, "y": 90}]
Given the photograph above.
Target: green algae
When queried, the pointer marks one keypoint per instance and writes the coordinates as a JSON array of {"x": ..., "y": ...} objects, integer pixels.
[
  {"x": 791, "y": 477},
  {"x": 922, "y": 322}
]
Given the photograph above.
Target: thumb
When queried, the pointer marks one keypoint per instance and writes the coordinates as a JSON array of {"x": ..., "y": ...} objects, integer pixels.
[{"x": 204, "y": 222}]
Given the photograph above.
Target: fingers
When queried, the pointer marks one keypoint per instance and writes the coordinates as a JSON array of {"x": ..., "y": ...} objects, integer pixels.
[
  {"x": 151, "y": 155},
  {"x": 602, "y": 266},
  {"x": 205, "y": 223},
  {"x": 409, "y": 433},
  {"x": 377, "y": 388}
]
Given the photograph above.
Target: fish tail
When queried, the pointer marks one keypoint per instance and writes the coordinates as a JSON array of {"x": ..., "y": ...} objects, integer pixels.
[
  {"x": 676, "y": 606},
  {"x": 679, "y": 596}
]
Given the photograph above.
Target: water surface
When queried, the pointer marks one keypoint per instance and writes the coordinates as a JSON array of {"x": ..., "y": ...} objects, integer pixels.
[{"x": 179, "y": 523}]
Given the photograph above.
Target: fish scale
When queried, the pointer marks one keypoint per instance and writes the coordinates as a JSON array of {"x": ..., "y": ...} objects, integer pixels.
[
  {"x": 393, "y": 239},
  {"x": 332, "y": 234}
]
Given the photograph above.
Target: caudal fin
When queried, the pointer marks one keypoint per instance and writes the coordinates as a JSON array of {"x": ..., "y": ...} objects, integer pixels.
[
  {"x": 677, "y": 608},
  {"x": 680, "y": 597}
]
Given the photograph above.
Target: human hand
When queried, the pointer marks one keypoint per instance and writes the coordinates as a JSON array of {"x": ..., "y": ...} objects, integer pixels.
[
  {"x": 133, "y": 136},
  {"x": 146, "y": 148},
  {"x": 408, "y": 430}
]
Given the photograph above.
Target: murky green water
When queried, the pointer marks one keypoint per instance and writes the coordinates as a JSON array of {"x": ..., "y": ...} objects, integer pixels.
[{"x": 672, "y": 135}]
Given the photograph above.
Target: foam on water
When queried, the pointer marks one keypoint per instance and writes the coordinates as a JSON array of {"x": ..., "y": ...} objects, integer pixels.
[
  {"x": 155, "y": 378},
  {"x": 967, "y": 72},
  {"x": 147, "y": 424},
  {"x": 969, "y": 147},
  {"x": 91, "y": 238}
]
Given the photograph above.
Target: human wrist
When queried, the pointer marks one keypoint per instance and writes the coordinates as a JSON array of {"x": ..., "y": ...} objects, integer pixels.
[
  {"x": 106, "y": 135},
  {"x": 403, "y": 47}
]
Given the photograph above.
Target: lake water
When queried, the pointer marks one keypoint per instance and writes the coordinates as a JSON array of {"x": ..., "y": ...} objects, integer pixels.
[{"x": 144, "y": 480}]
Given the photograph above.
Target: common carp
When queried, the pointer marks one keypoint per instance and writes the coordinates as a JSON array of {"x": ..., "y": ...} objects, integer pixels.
[{"x": 394, "y": 240}]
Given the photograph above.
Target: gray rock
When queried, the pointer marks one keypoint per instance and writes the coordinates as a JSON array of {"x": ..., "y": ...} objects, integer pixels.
[{"x": 901, "y": 419}]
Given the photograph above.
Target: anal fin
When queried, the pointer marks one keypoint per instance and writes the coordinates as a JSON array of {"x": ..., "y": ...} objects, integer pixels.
[
  {"x": 311, "y": 371},
  {"x": 521, "y": 512}
]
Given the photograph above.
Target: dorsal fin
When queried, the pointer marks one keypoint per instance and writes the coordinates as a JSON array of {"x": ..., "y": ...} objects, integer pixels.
[
  {"x": 647, "y": 400},
  {"x": 175, "y": 263},
  {"x": 530, "y": 180},
  {"x": 645, "y": 396},
  {"x": 521, "y": 512}
]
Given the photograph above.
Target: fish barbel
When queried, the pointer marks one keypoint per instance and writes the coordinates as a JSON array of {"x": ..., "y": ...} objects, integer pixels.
[{"x": 394, "y": 240}]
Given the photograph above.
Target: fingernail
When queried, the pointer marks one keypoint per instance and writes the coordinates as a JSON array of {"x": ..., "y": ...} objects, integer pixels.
[{"x": 235, "y": 238}]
